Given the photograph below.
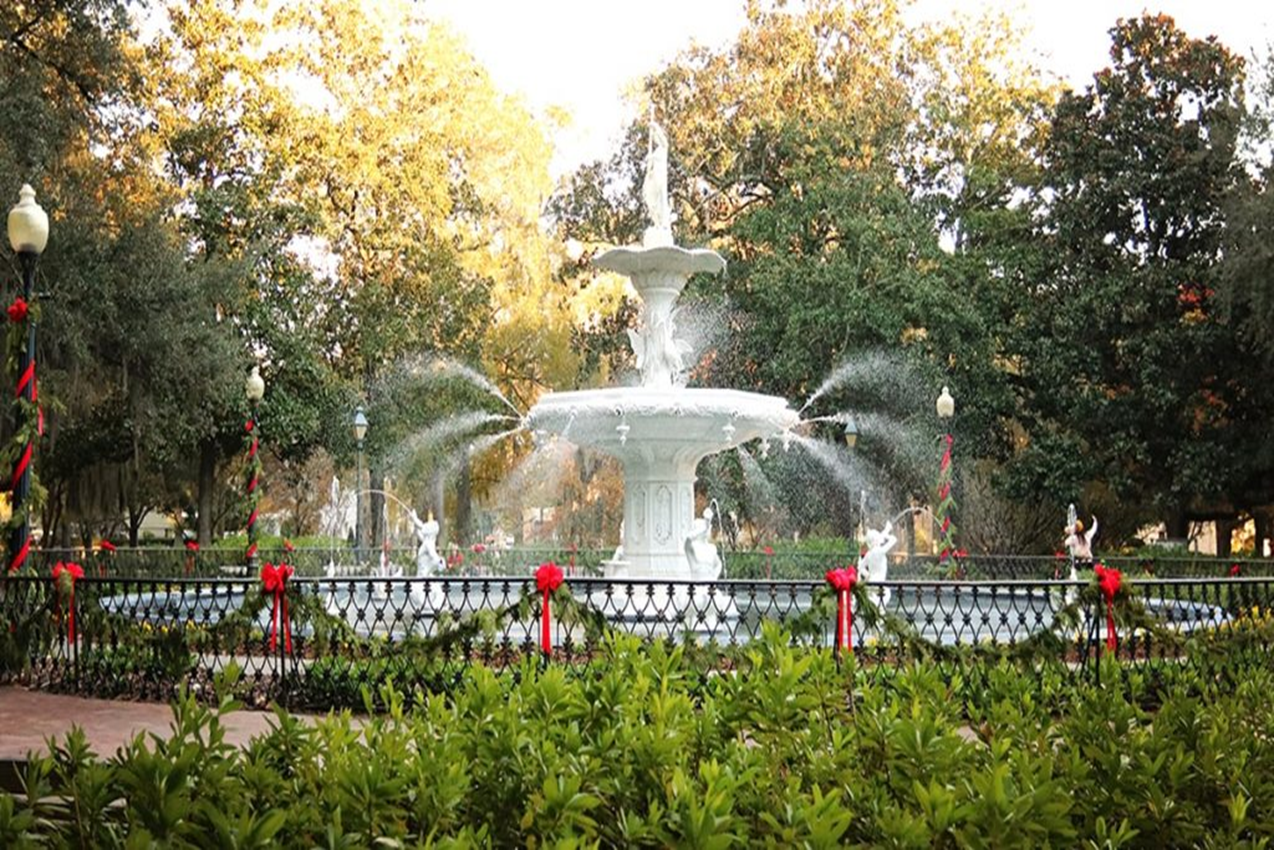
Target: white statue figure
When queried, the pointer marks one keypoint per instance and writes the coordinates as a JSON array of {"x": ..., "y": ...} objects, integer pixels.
[
  {"x": 873, "y": 565},
  {"x": 705, "y": 561},
  {"x": 654, "y": 190},
  {"x": 428, "y": 561},
  {"x": 329, "y": 597},
  {"x": 1079, "y": 544},
  {"x": 660, "y": 356}
]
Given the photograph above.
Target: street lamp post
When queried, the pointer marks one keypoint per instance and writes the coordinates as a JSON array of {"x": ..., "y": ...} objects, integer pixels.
[
  {"x": 360, "y": 431},
  {"x": 946, "y": 501},
  {"x": 254, "y": 388},
  {"x": 28, "y": 234}
]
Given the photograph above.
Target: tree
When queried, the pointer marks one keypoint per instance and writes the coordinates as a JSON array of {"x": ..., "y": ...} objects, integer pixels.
[
  {"x": 118, "y": 385},
  {"x": 427, "y": 184},
  {"x": 1131, "y": 376},
  {"x": 1246, "y": 295}
]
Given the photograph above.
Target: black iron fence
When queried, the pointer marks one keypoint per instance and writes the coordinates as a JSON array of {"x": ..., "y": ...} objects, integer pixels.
[
  {"x": 483, "y": 561},
  {"x": 320, "y": 641}
]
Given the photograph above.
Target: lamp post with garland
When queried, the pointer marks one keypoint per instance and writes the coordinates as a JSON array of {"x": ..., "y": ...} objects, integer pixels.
[
  {"x": 28, "y": 227},
  {"x": 254, "y": 388},
  {"x": 946, "y": 500}
]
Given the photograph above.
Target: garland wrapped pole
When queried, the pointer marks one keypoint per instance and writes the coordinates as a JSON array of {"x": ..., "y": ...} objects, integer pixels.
[
  {"x": 28, "y": 234},
  {"x": 946, "y": 500},
  {"x": 254, "y": 387}
]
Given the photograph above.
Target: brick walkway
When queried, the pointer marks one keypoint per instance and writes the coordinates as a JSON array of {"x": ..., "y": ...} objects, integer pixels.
[{"x": 28, "y": 718}]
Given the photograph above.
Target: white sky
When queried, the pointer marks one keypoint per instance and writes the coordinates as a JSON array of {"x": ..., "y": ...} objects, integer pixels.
[{"x": 584, "y": 55}]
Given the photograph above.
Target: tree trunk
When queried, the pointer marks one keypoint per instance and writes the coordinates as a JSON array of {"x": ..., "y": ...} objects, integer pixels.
[
  {"x": 1177, "y": 525},
  {"x": 376, "y": 506},
  {"x": 439, "y": 499},
  {"x": 464, "y": 503},
  {"x": 207, "y": 484},
  {"x": 135, "y": 518},
  {"x": 1224, "y": 531}
]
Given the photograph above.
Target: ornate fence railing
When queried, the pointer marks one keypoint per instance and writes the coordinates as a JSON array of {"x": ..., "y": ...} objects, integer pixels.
[
  {"x": 153, "y": 562},
  {"x": 320, "y": 641}
]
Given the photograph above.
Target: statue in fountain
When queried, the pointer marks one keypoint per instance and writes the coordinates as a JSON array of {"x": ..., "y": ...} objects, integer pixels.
[
  {"x": 873, "y": 564},
  {"x": 661, "y": 357},
  {"x": 701, "y": 553},
  {"x": 654, "y": 190},
  {"x": 1079, "y": 543},
  {"x": 428, "y": 561}
]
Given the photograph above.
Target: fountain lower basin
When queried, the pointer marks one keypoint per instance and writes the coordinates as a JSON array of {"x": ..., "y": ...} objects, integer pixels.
[{"x": 659, "y": 435}]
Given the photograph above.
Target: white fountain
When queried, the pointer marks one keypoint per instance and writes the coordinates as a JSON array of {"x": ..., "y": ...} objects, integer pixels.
[{"x": 661, "y": 429}]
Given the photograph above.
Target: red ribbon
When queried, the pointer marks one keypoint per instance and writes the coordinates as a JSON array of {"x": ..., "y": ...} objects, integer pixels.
[
  {"x": 20, "y": 467},
  {"x": 1109, "y": 581},
  {"x": 28, "y": 377},
  {"x": 548, "y": 578},
  {"x": 274, "y": 580},
  {"x": 20, "y": 557},
  {"x": 843, "y": 581},
  {"x": 75, "y": 571}
]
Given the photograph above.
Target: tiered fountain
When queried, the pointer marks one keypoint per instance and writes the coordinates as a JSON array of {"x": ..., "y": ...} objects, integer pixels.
[{"x": 661, "y": 429}]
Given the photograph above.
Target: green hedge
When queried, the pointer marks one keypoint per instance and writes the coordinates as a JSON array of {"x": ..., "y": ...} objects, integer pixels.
[{"x": 787, "y": 750}]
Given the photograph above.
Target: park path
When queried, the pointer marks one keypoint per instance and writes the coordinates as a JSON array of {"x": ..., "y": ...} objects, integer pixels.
[{"x": 28, "y": 718}]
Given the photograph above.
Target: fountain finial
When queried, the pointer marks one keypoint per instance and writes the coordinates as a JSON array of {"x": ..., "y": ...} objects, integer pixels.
[{"x": 654, "y": 189}]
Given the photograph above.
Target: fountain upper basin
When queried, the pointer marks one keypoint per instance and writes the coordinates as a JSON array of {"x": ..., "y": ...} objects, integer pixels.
[{"x": 693, "y": 421}]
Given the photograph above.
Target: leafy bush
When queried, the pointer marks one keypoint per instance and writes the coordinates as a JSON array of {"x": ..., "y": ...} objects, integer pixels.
[{"x": 788, "y": 749}]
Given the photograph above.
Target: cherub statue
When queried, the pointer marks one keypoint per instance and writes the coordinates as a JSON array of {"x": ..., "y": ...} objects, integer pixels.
[
  {"x": 1079, "y": 543},
  {"x": 873, "y": 565},
  {"x": 428, "y": 561},
  {"x": 660, "y": 355},
  {"x": 705, "y": 561}
]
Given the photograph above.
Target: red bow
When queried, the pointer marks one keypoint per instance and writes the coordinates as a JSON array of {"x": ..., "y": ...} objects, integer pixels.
[
  {"x": 108, "y": 548},
  {"x": 18, "y": 311},
  {"x": 1109, "y": 582},
  {"x": 274, "y": 580},
  {"x": 75, "y": 571},
  {"x": 548, "y": 578},
  {"x": 843, "y": 581}
]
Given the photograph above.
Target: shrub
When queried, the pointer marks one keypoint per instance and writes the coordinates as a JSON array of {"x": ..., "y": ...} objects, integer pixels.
[{"x": 788, "y": 749}]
